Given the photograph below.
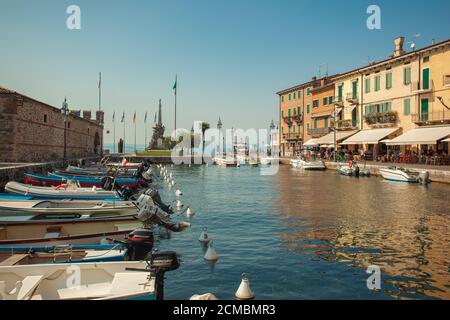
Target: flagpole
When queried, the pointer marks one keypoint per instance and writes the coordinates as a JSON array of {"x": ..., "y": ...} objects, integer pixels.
[
  {"x": 134, "y": 119},
  {"x": 124, "y": 133},
  {"x": 176, "y": 87},
  {"x": 100, "y": 92},
  {"x": 145, "y": 125},
  {"x": 114, "y": 131}
]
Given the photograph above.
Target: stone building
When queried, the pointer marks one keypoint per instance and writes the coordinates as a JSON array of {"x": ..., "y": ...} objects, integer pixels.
[{"x": 33, "y": 131}]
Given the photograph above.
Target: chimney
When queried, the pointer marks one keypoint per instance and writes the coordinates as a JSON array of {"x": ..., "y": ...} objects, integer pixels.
[
  {"x": 87, "y": 115},
  {"x": 399, "y": 46}
]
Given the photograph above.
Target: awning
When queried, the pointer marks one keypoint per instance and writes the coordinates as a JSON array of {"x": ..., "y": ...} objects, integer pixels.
[
  {"x": 340, "y": 135},
  {"x": 311, "y": 142},
  {"x": 370, "y": 136},
  {"x": 426, "y": 135},
  {"x": 321, "y": 115}
]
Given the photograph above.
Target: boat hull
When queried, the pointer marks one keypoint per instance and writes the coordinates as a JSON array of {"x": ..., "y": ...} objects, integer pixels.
[
  {"x": 397, "y": 176},
  {"x": 85, "y": 182},
  {"x": 97, "y": 281},
  {"x": 55, "y": 207},
  {"x": 39, "y": 192},
  {"x": 65, "y": 232}
]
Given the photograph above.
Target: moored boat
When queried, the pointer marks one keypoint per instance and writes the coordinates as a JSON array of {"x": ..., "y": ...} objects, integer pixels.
[
  {"x": 91, "y": 208},
  {"x": 404, "y": 175},
  {"x": 77, "y": 230},
  {"x": 224, "y": 162},
  {"x": 94, "y": 281},
  {"x": 10, "y": 256},
  {"x": 308, "y": 165},
  {"x": 69, "y": 191}
]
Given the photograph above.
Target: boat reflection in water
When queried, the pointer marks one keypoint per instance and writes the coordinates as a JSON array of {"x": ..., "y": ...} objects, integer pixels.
[{"x": 401, "y": 228}]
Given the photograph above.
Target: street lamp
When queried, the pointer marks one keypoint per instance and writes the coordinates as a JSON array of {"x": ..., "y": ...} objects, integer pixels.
[
  {"x": 65, "y": 113},
  {"x": 272, "y": 128}
]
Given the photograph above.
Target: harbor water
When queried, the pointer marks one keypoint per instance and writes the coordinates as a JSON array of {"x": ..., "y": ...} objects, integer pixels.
[{"x": 309, "y": 235}]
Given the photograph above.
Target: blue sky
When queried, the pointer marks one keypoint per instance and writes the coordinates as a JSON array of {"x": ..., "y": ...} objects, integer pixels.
[{"x": 230, "y": 56}]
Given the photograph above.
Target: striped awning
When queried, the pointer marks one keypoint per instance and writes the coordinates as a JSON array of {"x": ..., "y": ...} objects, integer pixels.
[
  {"x": 424, "y": 135},
  {"x": 370, "y": 136}
]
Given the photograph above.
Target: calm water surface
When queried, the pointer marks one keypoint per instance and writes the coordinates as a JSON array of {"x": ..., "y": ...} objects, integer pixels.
[{"x": 310, "y": 235}]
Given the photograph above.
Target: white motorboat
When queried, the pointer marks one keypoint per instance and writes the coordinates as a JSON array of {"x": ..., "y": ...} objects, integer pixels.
[
  {"x": 404, "y": 175},
  {"x": 91, "y": 208},
  {"x": 241, "y": 159},
  {"x": 225, "y": 162},
  {"x": 81, "y": 281},
  {"x": 70, "y": 191},
  {"x": 308, "y": 165},
  {"x": 266, "y": 161}
]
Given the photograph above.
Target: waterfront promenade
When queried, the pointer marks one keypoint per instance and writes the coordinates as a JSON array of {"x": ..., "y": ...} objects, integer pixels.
[{"x": 437, "y": 173}]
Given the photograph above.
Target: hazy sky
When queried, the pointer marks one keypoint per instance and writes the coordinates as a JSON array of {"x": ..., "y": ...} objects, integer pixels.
[{"x": 231, "y": 56}]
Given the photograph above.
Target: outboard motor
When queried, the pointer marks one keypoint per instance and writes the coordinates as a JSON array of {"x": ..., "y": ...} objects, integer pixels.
[
  {"x": 139, "y": 244},
  {"x": 356, "y": 170},
  {"x": 125, "y": 193},
  {"x": 109, "y": 184},
  {"x": 424, "y": 177},
  {"x": 154, "y": 194}
]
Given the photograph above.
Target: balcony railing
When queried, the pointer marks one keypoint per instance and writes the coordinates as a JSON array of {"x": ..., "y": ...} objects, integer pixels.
[
  {"x": 318, "y": 132},
  {"x": 352, "y": 98},
  {"x": 382, "y": 118},
  {"x": 293, "y": 135},
  {"x": 346, "y": 124},
  {"x": 430, "y": 117}
]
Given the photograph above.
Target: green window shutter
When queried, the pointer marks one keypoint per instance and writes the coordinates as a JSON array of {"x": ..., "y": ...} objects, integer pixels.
[
  {"x": 406, "y": 107},
  {"x": 340, "y": 88},
  {"x": 407, "y": 76},
  {"x": 282, "y": 98},
  {"x": 325, "y": 123},
  {"x": 289, "y": 112},
  {"x": 295, "y": 111},
  {"x": 308, "y": 91},
  {"x": 388, "y": 80},
  {"x": 298, "y": 94},
  {"x": 290, "y": 97},
  {"x": 426, "y": 79},
  {"x": 424, "y": 109},
  {"x": 295, "y": 95},
  {"x": 354, "y": 89},
  {"x": 298, "y": 112},
  {"x": 377, "y": 83},
  {"x": 307, "y": 109},
  {"x": 325, "y": 101},
  {"x": 367, "y": 85},
  {"x": 307, "y": 126},
  {"x": 315, "y": 123}
]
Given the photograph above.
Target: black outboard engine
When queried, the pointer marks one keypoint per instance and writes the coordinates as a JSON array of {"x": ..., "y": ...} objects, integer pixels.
[
  {"x": 139, "y": 244},
  {"x": 125, "y": 193},
  {"x": 139, "y": 171},
  {"x": 109, "y": 184},
  {"x": 356, "y": 171}
]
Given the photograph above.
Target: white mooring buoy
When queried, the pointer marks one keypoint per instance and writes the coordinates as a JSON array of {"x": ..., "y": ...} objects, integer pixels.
[
  {"x": 204, "y": 236},
  {"x": 173, "y": 183},
  {"x": 211, "y": 254},
  {"x": 189, "y": 212},
  {"x": 206, "y": 296},
  {"x": 244, "y": 292},
  {"x": 179, "y": 204},
  {"x": 178, "y": 193}
]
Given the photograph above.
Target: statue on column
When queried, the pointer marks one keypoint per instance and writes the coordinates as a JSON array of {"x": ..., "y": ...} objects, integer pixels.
[{"x": 158, "y": 133}]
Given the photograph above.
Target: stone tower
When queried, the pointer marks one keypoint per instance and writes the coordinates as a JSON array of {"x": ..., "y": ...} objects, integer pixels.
[{"x": 158, "y": 132}]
